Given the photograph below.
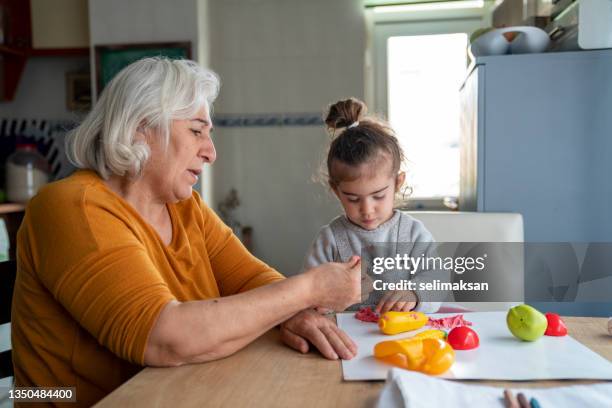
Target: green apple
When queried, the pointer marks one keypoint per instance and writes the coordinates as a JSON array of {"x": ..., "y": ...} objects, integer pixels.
[{"x": 526, "y": 322}]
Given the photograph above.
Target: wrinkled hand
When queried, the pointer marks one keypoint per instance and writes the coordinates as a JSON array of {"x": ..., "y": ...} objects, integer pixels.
[
  {"x": 367, "y": 287},
  {"x": 397, "y": 300},
  {"x": 336, "y": 286},
  {"x": 309, "y": 327}
]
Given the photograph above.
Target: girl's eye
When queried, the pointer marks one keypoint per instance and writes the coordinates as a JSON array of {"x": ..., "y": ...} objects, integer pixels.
[
  {"x": 379, "y": 197},
  {"x": 353, "y": 200}
]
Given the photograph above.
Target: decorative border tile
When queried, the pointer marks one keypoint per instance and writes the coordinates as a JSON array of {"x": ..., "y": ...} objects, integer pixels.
[
  {"x": 268, "y": 120},
  {"x": 50, "y": 133}
]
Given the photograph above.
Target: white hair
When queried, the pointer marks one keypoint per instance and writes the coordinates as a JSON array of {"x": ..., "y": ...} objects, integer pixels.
[{"x": 147, "y": 94}]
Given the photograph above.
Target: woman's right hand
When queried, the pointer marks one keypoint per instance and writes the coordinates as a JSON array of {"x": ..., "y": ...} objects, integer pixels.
[{"x": 336, "y": 286}]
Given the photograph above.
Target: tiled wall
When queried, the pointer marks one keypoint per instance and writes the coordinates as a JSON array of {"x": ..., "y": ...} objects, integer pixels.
[
  {"x": 142, "y": 21},
  {"x": 281, "y": 62},
  {"x": 286, "y": 55}
]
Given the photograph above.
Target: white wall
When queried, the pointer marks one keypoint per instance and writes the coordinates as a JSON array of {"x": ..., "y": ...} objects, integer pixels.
[
  {"x": 205, "y": 184},
  {"x": 134, "y": 21},
  {"x": 41, "y": 93},
  {"x": 279, "y": 57},
  {"x": 142, "y": 21}
]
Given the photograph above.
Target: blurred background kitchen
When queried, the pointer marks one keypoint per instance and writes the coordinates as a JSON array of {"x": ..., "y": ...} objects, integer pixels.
[{"x": 515, "y": 130}]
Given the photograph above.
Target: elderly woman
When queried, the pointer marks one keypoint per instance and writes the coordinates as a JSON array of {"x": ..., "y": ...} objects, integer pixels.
[{"x": 121, "y": 265}]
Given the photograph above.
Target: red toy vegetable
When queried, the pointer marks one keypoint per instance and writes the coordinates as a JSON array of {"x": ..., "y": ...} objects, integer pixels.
[
  {"x": 556, "y": 326},
  {"x": 463, "y": 338},
  {"x": 366, "y": 314},
  {"x": 449, "y": 322}
]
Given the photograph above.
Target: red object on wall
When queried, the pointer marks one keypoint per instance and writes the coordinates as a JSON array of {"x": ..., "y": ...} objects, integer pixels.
[
  {"x": 17, "y": 40},
  {"x": 17, "y": 46}
]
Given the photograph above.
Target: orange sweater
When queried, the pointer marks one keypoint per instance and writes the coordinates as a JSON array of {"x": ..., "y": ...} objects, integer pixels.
[{"x": 92, "y": 277}]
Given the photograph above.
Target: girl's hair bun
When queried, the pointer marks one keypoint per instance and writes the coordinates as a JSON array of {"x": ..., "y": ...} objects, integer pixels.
[{"x": 344, "y": 113}]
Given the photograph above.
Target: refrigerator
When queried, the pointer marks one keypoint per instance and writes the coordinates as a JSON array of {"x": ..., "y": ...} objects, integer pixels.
[{"x": 536, "y": 138}]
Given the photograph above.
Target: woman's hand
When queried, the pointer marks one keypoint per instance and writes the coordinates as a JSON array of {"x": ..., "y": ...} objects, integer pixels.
[
  {"x": 231, "y": 322},
  {"x": 336, "y": 286},
  {"x": 309, "y": 327},
  {"x": 397, "y": 300}
]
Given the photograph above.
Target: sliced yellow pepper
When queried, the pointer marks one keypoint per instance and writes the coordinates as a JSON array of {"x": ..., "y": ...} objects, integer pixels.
[
  {"x": 386, "y": 348},
  {"x": 399, "y": 322},
  {"x": 394, "y": 351},
  {"x": 427, "y": 355}
]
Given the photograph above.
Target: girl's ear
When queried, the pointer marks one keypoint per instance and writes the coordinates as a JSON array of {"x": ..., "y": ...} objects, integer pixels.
[{"x": 399, "y": 181}]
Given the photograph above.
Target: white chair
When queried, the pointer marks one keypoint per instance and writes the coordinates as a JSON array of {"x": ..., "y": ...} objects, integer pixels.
[{"x": 457, "y": 227}]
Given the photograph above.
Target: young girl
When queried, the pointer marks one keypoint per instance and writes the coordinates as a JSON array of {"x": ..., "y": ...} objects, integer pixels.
[{"x": 363, "y": 171}]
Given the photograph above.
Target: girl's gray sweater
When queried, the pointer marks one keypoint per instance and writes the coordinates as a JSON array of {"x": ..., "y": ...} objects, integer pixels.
[{"x": 401, "y": 234}]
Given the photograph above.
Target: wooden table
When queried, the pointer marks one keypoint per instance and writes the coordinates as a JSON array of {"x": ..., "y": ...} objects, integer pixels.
[{"x": 268, "y": 374}]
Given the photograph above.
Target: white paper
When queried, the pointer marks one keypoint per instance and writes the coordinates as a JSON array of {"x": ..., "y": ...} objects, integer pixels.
[
  {"x": 500, "y": 355},
  {"x": 414, "y": 390}
]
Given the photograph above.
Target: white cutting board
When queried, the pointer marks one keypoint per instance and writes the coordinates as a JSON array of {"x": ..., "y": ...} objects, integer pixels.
[{"x": 500, "y": 355}]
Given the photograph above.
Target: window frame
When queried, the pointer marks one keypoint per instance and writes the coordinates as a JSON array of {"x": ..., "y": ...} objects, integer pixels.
[{"x": 384, "y": 26}]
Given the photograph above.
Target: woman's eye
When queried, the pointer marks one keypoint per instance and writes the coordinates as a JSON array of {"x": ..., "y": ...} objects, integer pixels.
[
  {"x": 196, "y": 132},
  {"x": 379, "y": 197}
]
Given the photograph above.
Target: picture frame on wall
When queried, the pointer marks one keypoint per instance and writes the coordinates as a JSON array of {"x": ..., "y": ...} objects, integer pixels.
[
  {"x": 110, "y": 59},
  {"x": 78, "y": 91}
]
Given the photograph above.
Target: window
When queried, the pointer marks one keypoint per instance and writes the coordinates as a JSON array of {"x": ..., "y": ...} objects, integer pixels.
[
  {"x": 424, "y": 76},
  {"x": 418, "y": 68}
]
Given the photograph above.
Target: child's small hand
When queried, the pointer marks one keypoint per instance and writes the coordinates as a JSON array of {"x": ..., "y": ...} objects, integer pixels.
[{"x": 398, "y": 301}]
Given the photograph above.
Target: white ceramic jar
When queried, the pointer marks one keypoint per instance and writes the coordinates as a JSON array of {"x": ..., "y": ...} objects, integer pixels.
[{"x": 26, "y": 171}]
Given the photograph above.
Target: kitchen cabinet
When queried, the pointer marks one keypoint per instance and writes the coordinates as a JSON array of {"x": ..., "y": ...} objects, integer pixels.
[
  {"x": 537, "y": 139},
  {"x": 59, "y": 24},
  {"x": 59, "y": 31}
]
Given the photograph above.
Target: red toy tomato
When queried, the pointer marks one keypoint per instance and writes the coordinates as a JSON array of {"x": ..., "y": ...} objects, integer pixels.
[
  {"x": 463, "y": 338},
  {"x": 556, "y": 326}
]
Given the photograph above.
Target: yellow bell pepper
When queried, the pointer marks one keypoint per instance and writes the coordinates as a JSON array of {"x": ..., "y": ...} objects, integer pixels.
[
  {"x": 430, "y": 334},
  {"x": 399, "y": 322},
  {"x": 386, "y": 348},
  {"x": 427, "y": 355}
]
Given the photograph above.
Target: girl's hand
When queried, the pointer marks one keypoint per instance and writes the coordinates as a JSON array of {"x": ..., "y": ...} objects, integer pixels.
[{"x": 398, "y": 301}]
